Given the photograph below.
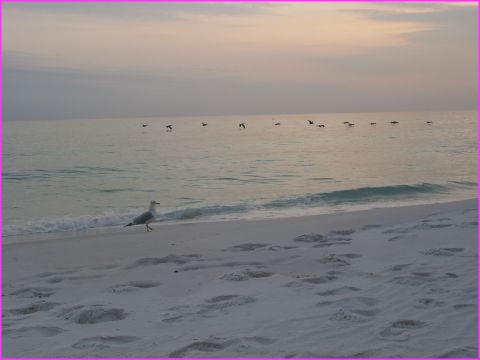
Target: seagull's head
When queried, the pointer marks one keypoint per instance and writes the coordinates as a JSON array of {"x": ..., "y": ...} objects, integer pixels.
[{"x": 152, "y": 205}]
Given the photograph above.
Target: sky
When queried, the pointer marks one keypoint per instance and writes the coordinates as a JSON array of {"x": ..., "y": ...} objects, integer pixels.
[{"x": 108, "y": 60}]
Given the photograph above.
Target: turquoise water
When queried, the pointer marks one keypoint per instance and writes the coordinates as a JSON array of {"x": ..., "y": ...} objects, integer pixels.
[{"x": 81, "y": 174}]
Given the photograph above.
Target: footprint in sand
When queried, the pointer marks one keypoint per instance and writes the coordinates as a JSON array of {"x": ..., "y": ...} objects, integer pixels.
[
  {"x": 357, "y": 301},
  {"x": 320, "y": 279},
  {"x": 353, "y": 308},
  {"x": 246, "y": 275},
  {"x": 334, "y": 260},
  {"x": 414, "y": 279},
  {"x": 103, "y": 342},
  {"x": 134, "y": 285},
  {"x": 354, "y": 315},
  {"x": 92, "y": 314},
  {"x": 278, "y": 247},
  {"x": 33, "y": 308},
  {"x": 427, "y": 226},
  {"x": 56, "y": 273},
  {"x": 169, "y": 259},
  {"x": 223, "y": 302},
  {"x": 400, "y": 330},
  {"x": 442, "y": 251},
  {"x": 370, "y": 226},
  {"x": 338, "y": 291},
  {"x": 437, "y": 291},
  {"x": 33, "y": 331},
  {"x": 398, "y": 237},
  {"x": 261, "y": 340},
  {"x": 464, "y": 306},
  {"x": 399, "y": 267},
  {"x": 328, "y": 244},
  {"x": 58, "y": 279},
  {"x": 202, "y": 348},
  {"x": 309, "y": 238},
  {"x": 350, "y": 255},
  {"x": 397, "y": 231},
  {"x": 371, "y": 353},
  {"x": 106, "y": 267},
  {"x": 426, "y": 303},
  {"x": 248, "y": 247},
  {"x": 341, "y": 232},
  {"x": 334, "y": 241},
  {"x": 435, "y": 220},
  {"x": 178, "y": 313},
  {"x": 34, "y": 292},
  {"x": 469, "y": 224},
  {"x": 207, "y": 308},
  {"x": 465, "y": 352},
  {"x": 226, "y": 264}
]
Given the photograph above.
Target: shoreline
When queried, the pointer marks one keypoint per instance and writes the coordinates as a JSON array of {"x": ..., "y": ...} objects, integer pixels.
[
  {"x": 305, "y": 213},
  {"x": 394, "y": 281}
]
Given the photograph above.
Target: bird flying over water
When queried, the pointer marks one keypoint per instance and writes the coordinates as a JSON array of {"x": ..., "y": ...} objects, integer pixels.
[
  {"x": 242, "y": 125},
  {"x": 147, "y": 217},
  {"x": 310, "y": 122},
  {"x": 169, "y": 127}
]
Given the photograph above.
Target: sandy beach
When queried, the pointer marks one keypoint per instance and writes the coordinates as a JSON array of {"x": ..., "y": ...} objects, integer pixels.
[{"x": 395, "y": 282}]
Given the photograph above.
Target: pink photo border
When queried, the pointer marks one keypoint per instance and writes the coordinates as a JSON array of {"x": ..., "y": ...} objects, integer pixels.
[{"x": 222, "y": 1}]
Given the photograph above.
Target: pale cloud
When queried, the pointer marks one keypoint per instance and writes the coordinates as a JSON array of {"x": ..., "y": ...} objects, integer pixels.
[
  {"x": 124, "y": 59},
  {"x": 160, "y": 11}
]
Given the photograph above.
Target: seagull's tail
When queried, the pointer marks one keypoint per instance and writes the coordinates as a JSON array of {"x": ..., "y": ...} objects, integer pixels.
[{"x": 128, "y": 225}]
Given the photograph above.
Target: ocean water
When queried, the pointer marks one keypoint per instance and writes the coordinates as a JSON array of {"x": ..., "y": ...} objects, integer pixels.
[{"x": 68, "y": 176}]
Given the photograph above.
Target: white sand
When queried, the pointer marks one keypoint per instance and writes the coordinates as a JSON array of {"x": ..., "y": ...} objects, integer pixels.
[{"x": 398, "y": 282}]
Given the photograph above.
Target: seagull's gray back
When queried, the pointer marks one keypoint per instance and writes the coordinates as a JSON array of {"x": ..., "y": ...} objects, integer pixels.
[{"x": 142, "y": 219}]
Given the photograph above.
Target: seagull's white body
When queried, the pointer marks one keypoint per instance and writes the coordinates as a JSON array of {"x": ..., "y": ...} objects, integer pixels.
[{"x": 147, "y": 217}]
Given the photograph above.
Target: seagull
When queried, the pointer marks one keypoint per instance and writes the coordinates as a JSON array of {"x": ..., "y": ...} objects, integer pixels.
[
  {"x": 144, "y": 125},
  {"x": 394, "y": 122},
  {"x": 204, "y": 124},
  {"x": 147, "y": 217},
  {"x": 373, "y": 123},
  {"x": 277, "y": 123},
  {"x": 310, "y": 122},
  {"x": 321, "y": 125},
  {"x": 169, "y": 127},
  {"x": 241, "y": 125},
  {"x": 350, "y": 124},
  {"x": 346, "y": 122},
  {"x": 429, "y": 122}
]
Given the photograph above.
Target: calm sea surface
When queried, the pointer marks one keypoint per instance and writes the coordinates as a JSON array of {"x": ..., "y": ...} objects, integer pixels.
[{"x": 83, "y": 174}]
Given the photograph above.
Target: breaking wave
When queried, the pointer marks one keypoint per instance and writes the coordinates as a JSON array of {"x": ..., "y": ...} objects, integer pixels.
[{"x": 325, "y": 201}]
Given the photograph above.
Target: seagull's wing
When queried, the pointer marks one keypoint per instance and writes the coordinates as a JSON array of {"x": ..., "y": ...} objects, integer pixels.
[{"x": 142, "y": 219}]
